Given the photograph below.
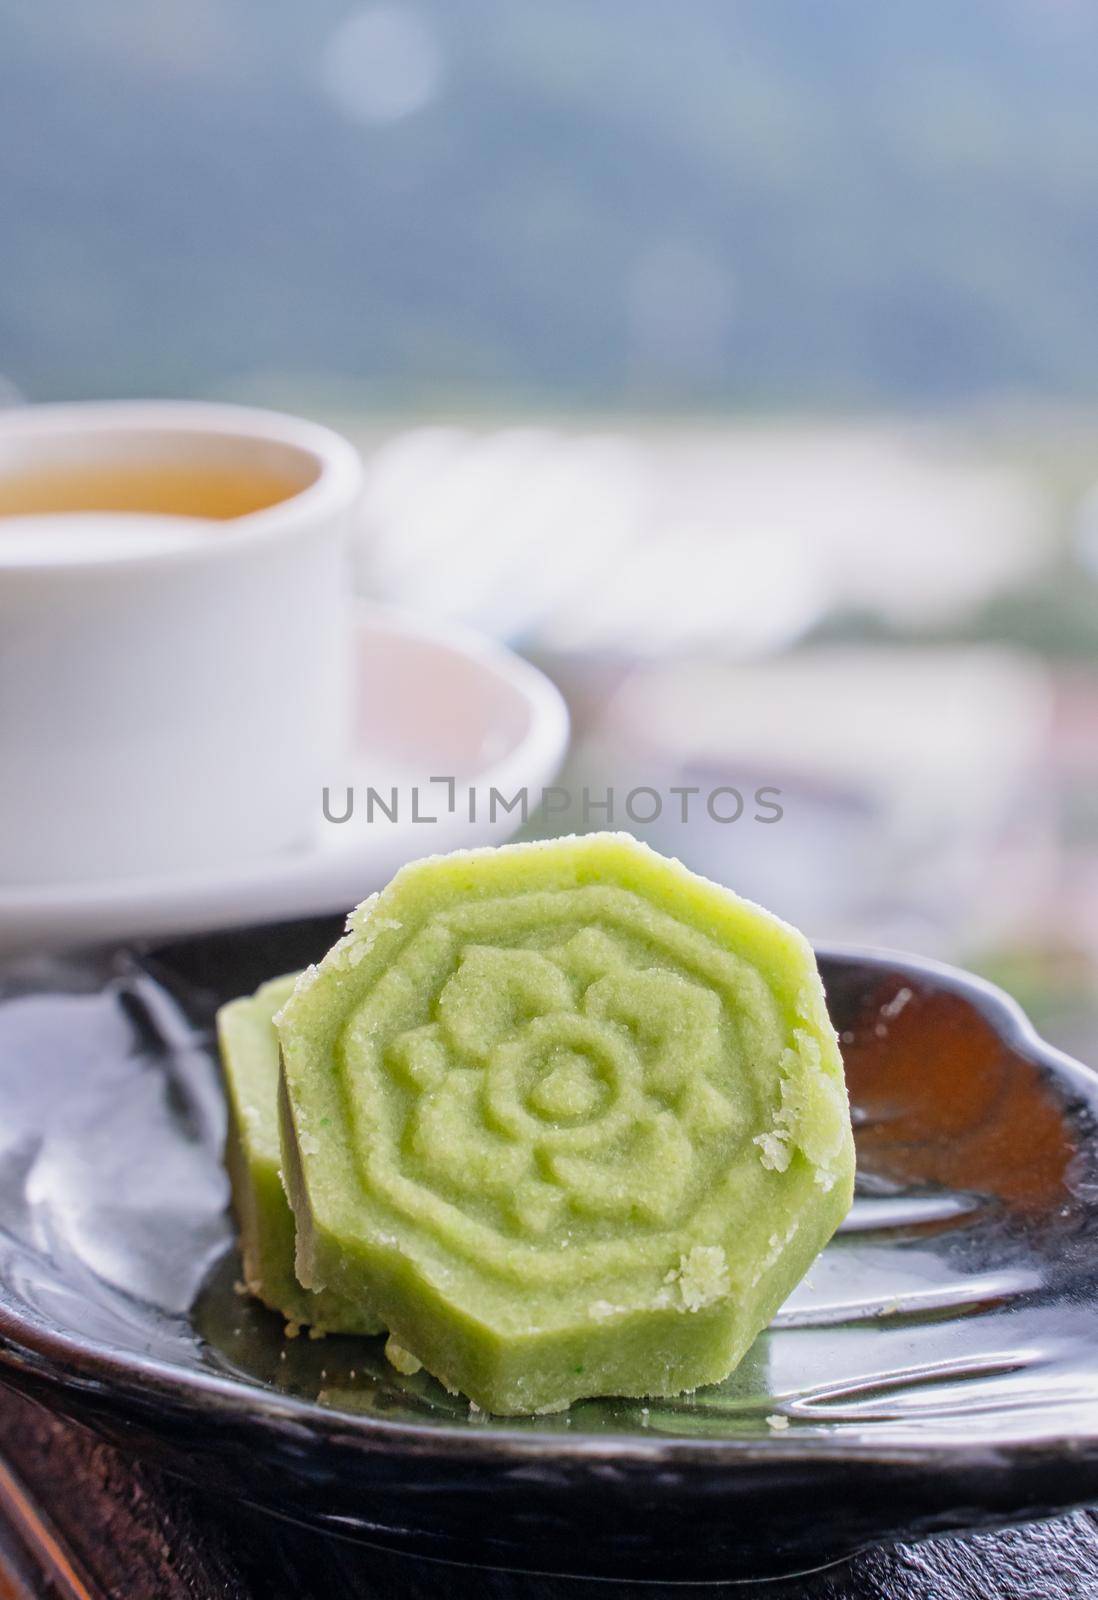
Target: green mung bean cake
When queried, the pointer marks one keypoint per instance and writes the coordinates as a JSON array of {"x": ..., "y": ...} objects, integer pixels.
[
  {"x": 571, "y": 1118},
  {"x": 249, "y": 1056}
]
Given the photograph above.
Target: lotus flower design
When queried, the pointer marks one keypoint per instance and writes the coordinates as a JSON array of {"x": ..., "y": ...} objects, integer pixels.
[{"x": 565, "y": 1084}]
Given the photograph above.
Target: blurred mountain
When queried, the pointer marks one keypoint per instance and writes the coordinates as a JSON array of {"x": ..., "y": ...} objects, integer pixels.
[{"x": 587, "y": 200}]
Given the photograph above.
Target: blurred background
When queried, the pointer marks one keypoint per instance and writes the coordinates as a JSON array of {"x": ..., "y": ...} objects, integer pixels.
[{"x": 737, "y": 361}]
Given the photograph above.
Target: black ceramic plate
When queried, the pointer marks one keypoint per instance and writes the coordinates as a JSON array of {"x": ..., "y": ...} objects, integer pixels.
[{"x": 938, "y": 1369}]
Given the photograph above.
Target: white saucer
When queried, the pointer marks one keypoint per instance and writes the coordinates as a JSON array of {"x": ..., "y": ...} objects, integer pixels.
[{"x": 431, "y": 701}]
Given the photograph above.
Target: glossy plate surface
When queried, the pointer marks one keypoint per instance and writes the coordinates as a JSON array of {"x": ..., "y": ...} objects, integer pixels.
[{"x": 938, "y": 1368}]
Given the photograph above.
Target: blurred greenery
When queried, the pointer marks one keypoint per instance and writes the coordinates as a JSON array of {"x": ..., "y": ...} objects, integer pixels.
[
  {"x": 1054, "y": 616},
  {"x": 888, "y": 201}
]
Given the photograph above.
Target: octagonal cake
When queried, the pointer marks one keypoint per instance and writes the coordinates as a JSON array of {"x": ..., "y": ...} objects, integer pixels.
[{"x": 571, "y": 1118}]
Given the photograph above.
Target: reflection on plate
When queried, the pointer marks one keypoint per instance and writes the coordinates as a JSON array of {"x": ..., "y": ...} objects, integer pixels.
[
  {"x": 429, "y": 700},
  {"x": 938, "y": 1367}
]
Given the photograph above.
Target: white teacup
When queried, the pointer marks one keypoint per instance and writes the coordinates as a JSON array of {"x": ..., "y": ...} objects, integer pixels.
[{"x": 173, "y": 687}]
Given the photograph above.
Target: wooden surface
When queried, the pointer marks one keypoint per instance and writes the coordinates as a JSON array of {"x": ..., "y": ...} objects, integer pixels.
[{"x": 81, "y": 1519}]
